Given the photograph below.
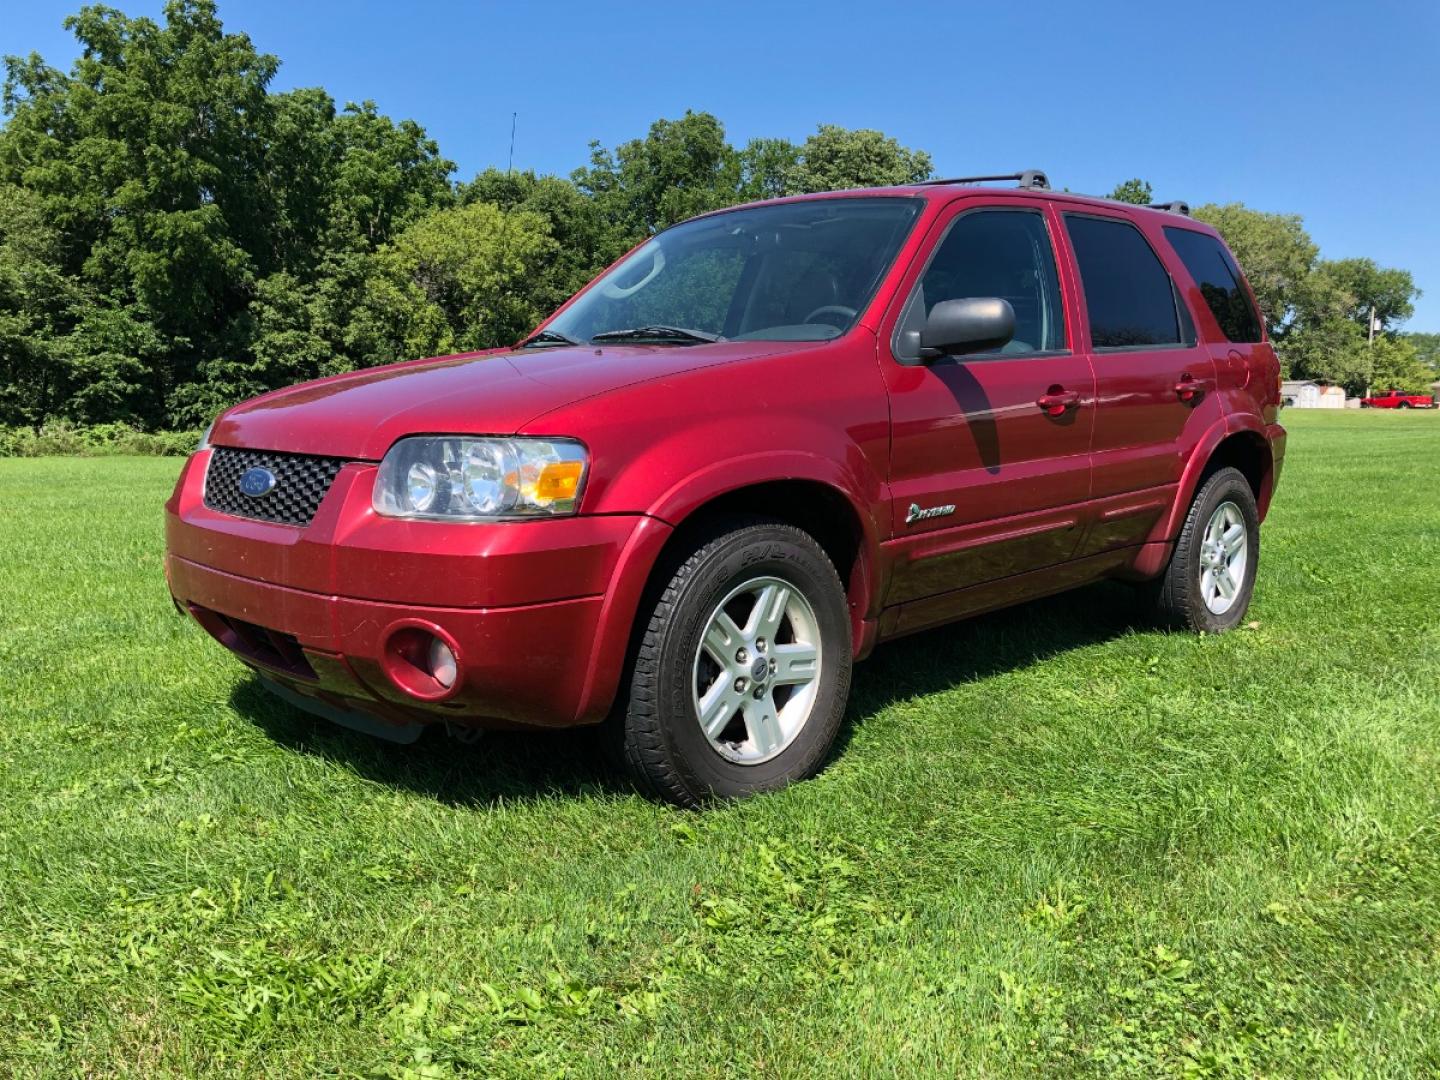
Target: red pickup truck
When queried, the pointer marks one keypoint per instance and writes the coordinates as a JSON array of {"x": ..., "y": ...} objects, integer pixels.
[{"x": 1395, "y": 399}]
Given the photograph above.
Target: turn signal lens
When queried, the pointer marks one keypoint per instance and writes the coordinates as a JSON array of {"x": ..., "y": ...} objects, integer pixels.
[{"x": 559, "y": 480}]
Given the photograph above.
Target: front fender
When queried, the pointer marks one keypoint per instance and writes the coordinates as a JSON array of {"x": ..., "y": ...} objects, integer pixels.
[
  {"x": 723, "y": 477},
  {"x": 853, "y": 480},
  {"x": 688, "y": 494}
]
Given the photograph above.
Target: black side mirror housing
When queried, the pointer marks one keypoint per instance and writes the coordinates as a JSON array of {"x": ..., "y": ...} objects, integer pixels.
[{"x": 968, "y": 325}]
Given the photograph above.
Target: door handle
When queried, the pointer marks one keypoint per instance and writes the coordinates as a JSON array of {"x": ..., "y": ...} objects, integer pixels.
[
  {"x": 1189, "y": 387},
  {"x": 1057, "y": 400}
]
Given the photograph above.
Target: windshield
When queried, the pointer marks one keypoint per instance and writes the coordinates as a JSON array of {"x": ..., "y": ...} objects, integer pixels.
[{"x": 799, "y": 271}]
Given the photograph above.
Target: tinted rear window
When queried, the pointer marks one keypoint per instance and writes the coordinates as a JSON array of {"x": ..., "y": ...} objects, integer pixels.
[
  {"x": 1219, "y": 279},
  {"x": 1128, "y": 292}
]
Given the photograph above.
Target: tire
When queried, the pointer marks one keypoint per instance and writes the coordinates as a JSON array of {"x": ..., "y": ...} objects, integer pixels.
[
  {"x": 1403, "y": 405},
  {"x": 1183, "y": 597},
  {"x": 675, "y": 674}
]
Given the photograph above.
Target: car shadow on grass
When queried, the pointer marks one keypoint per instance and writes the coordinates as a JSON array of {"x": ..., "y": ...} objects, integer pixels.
[{"x": 509, "y": 766}]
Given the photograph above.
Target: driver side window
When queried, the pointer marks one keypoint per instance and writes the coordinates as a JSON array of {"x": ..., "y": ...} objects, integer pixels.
[{"x": 1002, "y": 253}]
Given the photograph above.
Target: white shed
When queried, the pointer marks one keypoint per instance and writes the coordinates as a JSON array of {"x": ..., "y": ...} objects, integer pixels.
[{"x": 1305, "y": 394}]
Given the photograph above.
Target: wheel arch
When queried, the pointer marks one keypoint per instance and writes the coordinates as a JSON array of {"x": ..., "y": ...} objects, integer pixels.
[
  {"x": 1235, "y": 442},
  {"x": 823, "y": 509},
  {"x": 817, "y": 508},
  {"x": 803, "y": 495},
  {"x": 1249, "y": 452}
]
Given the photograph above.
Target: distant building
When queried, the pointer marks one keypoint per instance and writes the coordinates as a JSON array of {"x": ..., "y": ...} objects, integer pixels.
[{"x": 1304, "y": 394}]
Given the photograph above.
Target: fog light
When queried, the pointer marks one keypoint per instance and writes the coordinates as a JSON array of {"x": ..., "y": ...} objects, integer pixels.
[
  {"x": 420, "y": 659},
  {"x": 442, "y": 663}
]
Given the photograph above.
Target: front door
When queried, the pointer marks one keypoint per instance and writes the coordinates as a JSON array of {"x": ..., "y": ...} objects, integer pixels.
[{"x": 990, "y": 453}]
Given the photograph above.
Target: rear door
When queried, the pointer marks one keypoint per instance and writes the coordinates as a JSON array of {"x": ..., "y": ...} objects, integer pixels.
[
  {"x": 990, "y": 463},
  {"x": 1155, "y": 382}
]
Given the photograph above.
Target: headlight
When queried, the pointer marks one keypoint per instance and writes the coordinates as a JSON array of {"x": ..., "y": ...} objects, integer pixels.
[{"x": 456, "y": 479}]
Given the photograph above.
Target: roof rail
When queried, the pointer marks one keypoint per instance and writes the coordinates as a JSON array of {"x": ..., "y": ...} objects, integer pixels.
[
  {"x": 1176, "y": 207},
  {"x": 1030, "y": 180}
]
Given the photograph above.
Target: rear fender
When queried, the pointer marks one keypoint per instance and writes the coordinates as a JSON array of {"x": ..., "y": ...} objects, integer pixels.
[{"x": 1168, "y": 527}]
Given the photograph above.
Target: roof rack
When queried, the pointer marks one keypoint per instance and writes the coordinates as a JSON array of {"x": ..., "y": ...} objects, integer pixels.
[
  {"x": 1030, "y": 180},
  {"x": 1176, "y": 207}
]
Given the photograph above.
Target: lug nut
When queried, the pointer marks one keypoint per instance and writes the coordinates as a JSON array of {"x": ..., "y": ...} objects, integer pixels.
[
  {"x": 740, "y": 684},
  {"x": 759, "y": 692},
  {"x": 741, "y": 656},
  {"x": 773, "y": 665},
  {"x": 759, "y": 644}
]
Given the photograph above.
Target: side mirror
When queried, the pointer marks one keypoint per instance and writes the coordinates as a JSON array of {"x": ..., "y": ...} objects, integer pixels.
[{"x": 970, "y": 325}]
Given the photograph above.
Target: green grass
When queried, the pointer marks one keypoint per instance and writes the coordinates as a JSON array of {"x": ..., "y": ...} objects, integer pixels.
[{"x": 1052, "y": 840}]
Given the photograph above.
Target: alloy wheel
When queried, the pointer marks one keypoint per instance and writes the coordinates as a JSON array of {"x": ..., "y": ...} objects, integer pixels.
[
  {"x": 757, "y": 670},
  {"x": 1224, "y": 555}
]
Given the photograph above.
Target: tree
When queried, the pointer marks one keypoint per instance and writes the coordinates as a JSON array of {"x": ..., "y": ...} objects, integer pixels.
[
  {"x": 144, "y": 159},
  {"x": 768, "y": 169},
  {"x": 1427, "y": 350},
  {"x": 835, "y": 158},
  {"x": 681, "y": 168},
  {"x": 1276, "y": 254},
  {"x": 35, "y": 301},
  {"x": 685, "y": 167},
  {"x": 1397, "y": 365},
  {"x": 1334, "y": 351},
  {"x": 175, "y": 185},
  {"x": 573, "y": 222},
  {"x": 1135, "y": 191},
  {"x": 1355, "y": 289},
  {"x": 387, "y": 175},
  {"x": 456, "y": 279}
]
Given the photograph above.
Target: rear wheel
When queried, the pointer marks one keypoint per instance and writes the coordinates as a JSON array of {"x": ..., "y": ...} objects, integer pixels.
[
  {"x": 1403, "y": 405},
  {"x": 741, "y": 670},
  {"x": 1211, "y": 575}
]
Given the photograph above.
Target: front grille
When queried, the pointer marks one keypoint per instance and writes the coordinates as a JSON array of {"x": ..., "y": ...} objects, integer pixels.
[{"x": 301, "y": 481}]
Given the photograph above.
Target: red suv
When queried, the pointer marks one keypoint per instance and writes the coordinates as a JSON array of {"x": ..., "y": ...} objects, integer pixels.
[{"x": 761, "y": 443}]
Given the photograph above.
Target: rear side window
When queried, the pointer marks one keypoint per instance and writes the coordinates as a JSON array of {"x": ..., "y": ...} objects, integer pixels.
[
  {"x": 1219, "y": 279},
  {"x": 1128, "y": 293}
]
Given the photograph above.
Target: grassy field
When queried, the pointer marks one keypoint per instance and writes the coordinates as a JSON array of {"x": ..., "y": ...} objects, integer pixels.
[{"x": 1052, "y": 840}]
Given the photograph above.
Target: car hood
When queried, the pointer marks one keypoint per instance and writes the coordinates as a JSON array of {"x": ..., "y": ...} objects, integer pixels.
[{"x": 360, "y": 414}]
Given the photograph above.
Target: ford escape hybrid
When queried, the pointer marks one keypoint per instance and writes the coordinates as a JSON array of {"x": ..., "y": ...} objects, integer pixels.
[{"x": 765, "y": 440}]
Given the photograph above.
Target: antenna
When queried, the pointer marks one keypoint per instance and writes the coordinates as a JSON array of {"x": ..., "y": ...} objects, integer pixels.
[{"x": 511, "y": 166}]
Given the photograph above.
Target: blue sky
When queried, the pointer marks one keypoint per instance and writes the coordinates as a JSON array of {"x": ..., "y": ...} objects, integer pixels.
[{"x": 1330, "y": 110}]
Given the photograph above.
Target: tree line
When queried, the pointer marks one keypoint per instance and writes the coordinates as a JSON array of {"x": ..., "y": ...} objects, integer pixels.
[{"x": 175, "y": 236}]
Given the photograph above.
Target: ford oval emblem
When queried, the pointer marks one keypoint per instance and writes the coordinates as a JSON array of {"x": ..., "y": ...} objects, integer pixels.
[{"x": 257, "y": 482}]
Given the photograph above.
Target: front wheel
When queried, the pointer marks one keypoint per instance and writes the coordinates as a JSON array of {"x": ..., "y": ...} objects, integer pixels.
[
  {"x": 741, "y": 670},
  {"x": 1211, "y": 576}
]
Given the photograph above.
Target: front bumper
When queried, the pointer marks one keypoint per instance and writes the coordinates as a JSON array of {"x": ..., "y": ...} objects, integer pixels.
[{"x": 537, "y": 613}]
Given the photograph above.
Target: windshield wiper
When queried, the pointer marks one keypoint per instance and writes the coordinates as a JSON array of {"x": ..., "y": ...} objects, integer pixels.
[
  {"x": 657, "y": 332},
  {"x": 548, "y": 337}
]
